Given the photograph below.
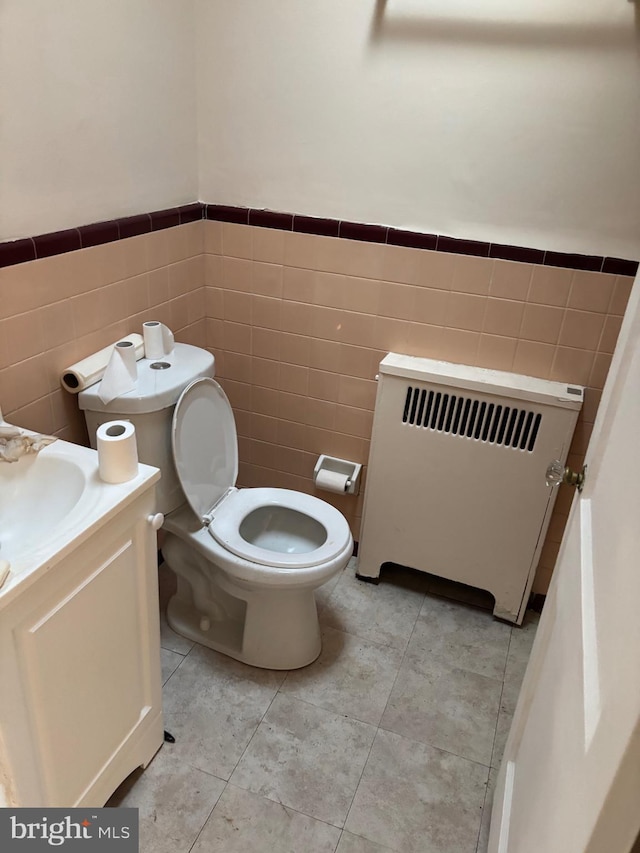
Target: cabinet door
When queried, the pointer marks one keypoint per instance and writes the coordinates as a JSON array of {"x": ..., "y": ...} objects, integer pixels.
[{"x": 84, "y": 671}]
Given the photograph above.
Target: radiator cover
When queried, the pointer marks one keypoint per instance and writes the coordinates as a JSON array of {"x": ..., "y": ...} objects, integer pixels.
[{"x": 456, "y": 476}]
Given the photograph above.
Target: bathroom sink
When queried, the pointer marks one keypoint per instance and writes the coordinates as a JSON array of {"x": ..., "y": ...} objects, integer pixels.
[
  {"x": 39, "y": 497},
  {"x": 50, "y": 503}
]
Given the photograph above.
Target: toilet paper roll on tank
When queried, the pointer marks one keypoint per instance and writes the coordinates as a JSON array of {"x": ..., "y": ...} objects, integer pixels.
[{"x": 156, "y": 342}]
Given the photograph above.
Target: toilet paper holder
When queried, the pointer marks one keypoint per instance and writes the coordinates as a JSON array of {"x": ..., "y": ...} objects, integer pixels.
[{"x": 337, "y": 475}]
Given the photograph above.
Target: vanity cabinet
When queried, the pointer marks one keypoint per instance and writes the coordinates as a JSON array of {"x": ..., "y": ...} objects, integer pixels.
[{"x": 80, "y": 683}]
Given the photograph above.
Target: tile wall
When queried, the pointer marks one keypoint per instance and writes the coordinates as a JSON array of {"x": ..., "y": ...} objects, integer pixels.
[
  {"x": 59, "y": 309},
  {"x": 298, "y": 323}
]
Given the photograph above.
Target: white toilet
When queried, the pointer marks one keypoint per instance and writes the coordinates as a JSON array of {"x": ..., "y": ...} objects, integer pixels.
[{"x": 247, "y": 560}]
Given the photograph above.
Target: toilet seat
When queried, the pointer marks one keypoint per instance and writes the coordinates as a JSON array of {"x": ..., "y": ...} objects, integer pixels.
[
  {"x": 317, "y": 518},
  {"x": 246, "y": 522}
]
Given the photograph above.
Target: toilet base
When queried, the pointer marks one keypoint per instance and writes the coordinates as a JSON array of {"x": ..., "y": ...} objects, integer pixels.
[{"x": 274, "y": 633}]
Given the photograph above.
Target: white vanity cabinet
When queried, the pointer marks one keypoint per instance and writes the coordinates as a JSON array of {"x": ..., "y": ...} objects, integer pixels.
[{"x": 80, "y": 683}]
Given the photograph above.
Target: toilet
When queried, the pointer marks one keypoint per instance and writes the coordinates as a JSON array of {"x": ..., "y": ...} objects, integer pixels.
[{"x": 247, "y": 560}]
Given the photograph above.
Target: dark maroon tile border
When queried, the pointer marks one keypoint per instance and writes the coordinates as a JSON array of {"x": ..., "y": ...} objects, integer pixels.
[
  {"x": 97, "y": 233},
  {"x": 364, "y": 233},
  {"x": 411, "y": 239},
  {"x": 17, "y": 252},
  {"x": 316, "y": 225},
  {"x": 57, "y": 242},
  {"x": 271, "y": 219},
  {"x": 463, "y": 247},
  {"x": 133, "y": 226}
]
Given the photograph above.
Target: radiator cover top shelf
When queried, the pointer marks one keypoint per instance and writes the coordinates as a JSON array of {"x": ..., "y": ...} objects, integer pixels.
[{"x": 456, "y": 481}]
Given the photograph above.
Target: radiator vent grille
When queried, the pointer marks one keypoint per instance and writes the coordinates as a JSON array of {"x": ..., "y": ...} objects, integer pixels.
[{"x": 457, "y": 415}]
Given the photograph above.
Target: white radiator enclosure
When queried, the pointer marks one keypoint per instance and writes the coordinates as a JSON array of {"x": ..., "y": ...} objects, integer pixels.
[{"x": 456, "y": 476}]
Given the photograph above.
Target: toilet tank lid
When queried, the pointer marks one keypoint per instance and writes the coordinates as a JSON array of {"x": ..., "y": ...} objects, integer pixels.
[{"x": 156, "y": 387}]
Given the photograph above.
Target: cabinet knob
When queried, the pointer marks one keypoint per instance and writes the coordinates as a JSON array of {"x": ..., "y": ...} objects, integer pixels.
[{"x": 156, "y": 521}]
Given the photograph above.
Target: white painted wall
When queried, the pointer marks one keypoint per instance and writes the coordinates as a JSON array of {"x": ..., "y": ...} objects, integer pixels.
[
  {"x": 500, "y": 121},
  {"x": 97, "y": 107}
]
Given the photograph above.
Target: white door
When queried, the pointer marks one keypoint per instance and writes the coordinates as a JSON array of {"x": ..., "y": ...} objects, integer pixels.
[{"x": 570, "y": 776}]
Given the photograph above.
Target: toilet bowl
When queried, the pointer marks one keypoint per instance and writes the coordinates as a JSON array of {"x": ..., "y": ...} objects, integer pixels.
[{"x": 247, "y": 560}]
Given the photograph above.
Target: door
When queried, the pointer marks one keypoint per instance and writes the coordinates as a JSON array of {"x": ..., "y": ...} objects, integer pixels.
[{"x": 570, "y": 776}]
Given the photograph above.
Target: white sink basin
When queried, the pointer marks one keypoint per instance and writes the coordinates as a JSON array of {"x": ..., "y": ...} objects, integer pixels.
[
  {"x": 38, "y": 497},
  {"x": 49, "y": 503}
]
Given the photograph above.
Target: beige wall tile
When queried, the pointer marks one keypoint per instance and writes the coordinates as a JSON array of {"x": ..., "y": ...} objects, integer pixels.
[
  {"x": 610, "y": 332},
  {"x": 459, "y": 346},
  {"x": 534, "y": 359},
  {"x": 397, "y": 300},
  {"x": 353, "y": 421},
  {"x": 86, "y": 312},
  {"x": 466, "y": 311},
  {"x": 325, "y": 355},
  {"x": 600, "y": 370},
  {"x": 21, "y": 337},
  {"x": 430, "y": 306},
  {"x": 158, "y": 286},
  {"x": 591, "y": 291},
  {"x": 350, "y": 257},
  {"x": 296, "y": 349},
  {"x": 265, "y": 373},
  {"x": 214, "y": 270},
  {"x": 581, "y": 329},
  {"x": 358, "y": 361},
  {"x": 541, "y": 323},
  {"x": 510, "y": 280},
  {"x": 237, "y": 240},
  {"x": 402, "y": 264},
  {"x": 323, "y": 385},
  {"x": 266, "y": 343},
  {"x": 298, "y": 284},
  {"x": 572, "y": 365},
  {"x": 472, "y": 275},
  {"x": 236, "y": 274},
  {"x": 550, "y": 286},
  {"x": 436, "y": 270},
  {"x": 236, "y": 337},
  {"x": 503, "y": 317},
  {"x": 237, "y": 366},
  {"x": 263, "y": 427},
  {"x": 266, "y": 312},
  {"x": 179, "y": 312},
  {"x": 298, "y": 318},
  {"x": 214, "y": 302},
  {"x": 57, "y": 322},
  {"x": 294, "y": 378},
  {"x": 236, "y": 306},
  {"x": 620, "y": 295},
  {"x": 268, "y": 245},
  {"x": 267, "y": 279},
  {"x": 425, "y": 341},
  {"x": 391, "y": 335},
  {"x": 300, "y": 250},
  {"x": 212, "y": 232},
  {"x": 359, "y": 393},
  {"x": 496, "y": 353}
]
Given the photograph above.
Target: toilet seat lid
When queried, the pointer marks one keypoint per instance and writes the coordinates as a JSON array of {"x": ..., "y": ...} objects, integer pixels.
[{"x": 205, "y": 444}]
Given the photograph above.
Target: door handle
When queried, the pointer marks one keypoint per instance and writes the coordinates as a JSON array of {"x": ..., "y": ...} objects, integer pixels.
[{"x": 558, "y": 473}]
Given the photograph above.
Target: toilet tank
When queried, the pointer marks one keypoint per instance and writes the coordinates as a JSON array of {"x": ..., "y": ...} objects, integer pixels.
[{"x": 149, "y": 407}]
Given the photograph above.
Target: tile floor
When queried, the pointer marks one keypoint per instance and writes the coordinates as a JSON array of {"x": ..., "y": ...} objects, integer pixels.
[{"x": 390, "y": 741}]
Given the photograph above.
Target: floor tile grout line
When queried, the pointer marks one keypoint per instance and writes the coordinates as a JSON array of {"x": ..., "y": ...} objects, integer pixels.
[
  {"x": 378, "y": 727},
  {"x": 438, "y": 748},
  {"x": 206, "y": 821}
]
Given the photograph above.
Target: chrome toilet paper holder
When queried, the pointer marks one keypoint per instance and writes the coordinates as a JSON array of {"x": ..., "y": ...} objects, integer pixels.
[{"x": 337, "y": 475}]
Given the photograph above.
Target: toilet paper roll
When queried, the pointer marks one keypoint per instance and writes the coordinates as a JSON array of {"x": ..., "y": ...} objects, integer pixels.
[
  {"x": 332, "y": 481},
  {"x": 158, "y": 339},
  {"x": 117, "y": 451},
  {"x": 121, "y": 374},
  {"x": 91, "y": 369}
]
